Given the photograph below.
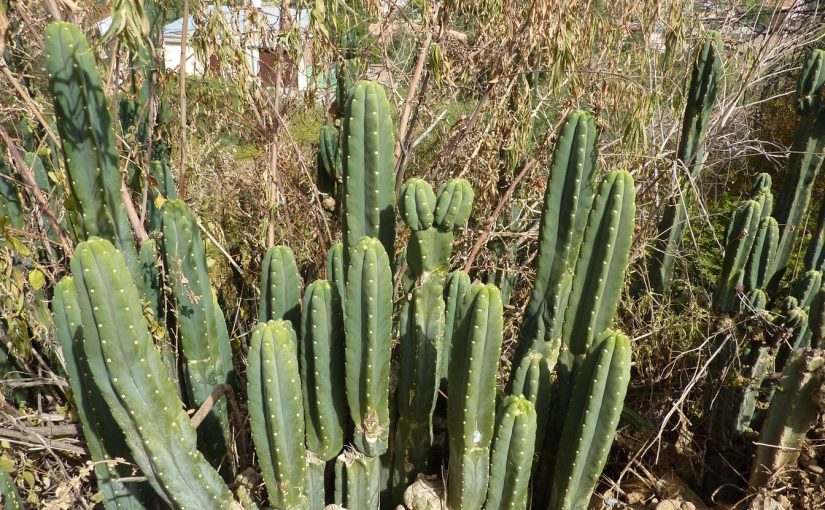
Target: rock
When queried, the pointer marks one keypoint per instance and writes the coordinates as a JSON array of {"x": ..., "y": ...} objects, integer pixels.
[{"x": 675, "y": 504}]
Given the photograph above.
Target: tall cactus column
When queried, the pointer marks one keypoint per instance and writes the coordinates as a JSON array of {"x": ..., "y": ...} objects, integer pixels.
[
  {"x": 701, "y": 96},
  {"x": 369, "y": 169},
  {"x": 471, "y": 406}
]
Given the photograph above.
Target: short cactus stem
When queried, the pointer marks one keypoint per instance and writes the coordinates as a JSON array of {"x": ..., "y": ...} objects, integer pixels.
[
  {"x": 368, "y": 326},
  {"x": 280, "y": 287},
  {"x": 471, "y": 406},
  {"x": 336, "y": 271},
  {"x": 742, "y": 230},
  {"x": 532, "y": 378},
  {"x": 512, "y": 457},
  {"x": 357, "y": 480},
  {"x": 763, "y": 254},
  {"x": 314, "y": 491},
  {"x": 276, "y": 413},
  {"x": 810, "y": 83}
]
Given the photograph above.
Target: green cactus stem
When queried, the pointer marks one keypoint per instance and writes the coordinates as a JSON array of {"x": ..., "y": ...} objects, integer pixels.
[
  {"x": 810, "y": 83},
  {"x": 792, "y": 412},
  {"x": 369, "y": 168},
  {"x": 591, "y": 421},
  {"x": 276, "y": 413},
  {"x": 512, "y": 457},
  {"x": 88, "y": 138},
  {"x": 701, "y": 96},
  {"x": 280, "y": 287},
  {"x": 9, "y": 497},
  {"x": 322, "y": 369},
  {"x": 761, "y": 192},
  {"x": 11, "y": 208},
  {"x": 315, "y": 490},
  {"x": 763, "y": 254},
  {"x": 128, "y": 371},
  {"x": 165, "y": 189},
  {"x": 200, "y": 325},
  {"x": 336, "y": 271},
  {"x": 419, "y": 360},
  {"x": 471, "y": 406},
  {"x": 104, "y": 439},
  {"x": 741, "y": 235},
  {"x": 456, "y": 286},
  {"x": 329, "y": 161},
  {"x": 368, "y": 326},
  {"x": 815, "y": 254},
  {"x": 357, "y": 480},
  {"x": 532, "y": 378},
  {"x": 567, "y": 201}
]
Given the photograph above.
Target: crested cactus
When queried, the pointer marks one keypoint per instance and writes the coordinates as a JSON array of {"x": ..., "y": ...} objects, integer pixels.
[
  {"x": 128, "y": 371},
  {"x": 456, "y": 285},
  {"x": 701, "y": 96},
  {"x": 369, "y": 169},
  {"x": 791, "y": 414},
  {"x": 591, "y": 421},
  {"x": 567, "y": 201},
  {"x": 357, "y": 480},
  {"x": 200, "y": 324},
  {"x": 471, "y": 406},
  {"x": 810, "y": 83},
  {"x": 512, "y": 457},
  {"x": 419, "y": 353},
  {"x": 276, "y": 413},
  {"x": 741, "y": 235},
  {"x": 322, "y": 369},
  {"x": 104, "y": 438},
  {"x": 368, "y": 326},
  {"x": 280, "y": 288},
  {"x": 88, "y": 138}
]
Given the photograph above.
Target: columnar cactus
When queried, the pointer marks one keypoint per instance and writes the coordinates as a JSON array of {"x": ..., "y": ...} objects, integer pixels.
[
  {"x": 329, "y": 161},
  {"x": 200, "y": 324},
  {"x": 512, "y": 457},
  {"x": 88, "y": 138},
  {"x": 280, "y": 288},
  {"x": 133, "y": 381},
  {"x": 815, "y": 255},
  {"x": 161, "y": 172},
  {"x": 567, "y": 201},
  {"x": 701, "y": 96},
  {"x": 763, "y": 254},
  {"x": 471, "y": 406},
  {"x": 591, "y": 421},
  {"x": 532, "y": 378},
  {"x": 322, "y": 369},
  {"x": 368, "y": 326},
  {"x": 369, "y": 169},
  {"x": 419, "y": 353},
  {"x": 810, "y": 83},
  {"x": 11, "y": 208},
  {"x": 9, "y": 496},
  {"x": 456, "y": 286},
  {"x": 741, "y": 235},
  {"x": 357, "y": 479},
  {"x": 336, "y": 270},
  {"x": 276, "y": 413},
  {"x": 104, "y": 438},
  {"x": 791, "y": 414}
]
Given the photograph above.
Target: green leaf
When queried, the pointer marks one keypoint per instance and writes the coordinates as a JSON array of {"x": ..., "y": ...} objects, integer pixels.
[{"x": 37, "y": 279}]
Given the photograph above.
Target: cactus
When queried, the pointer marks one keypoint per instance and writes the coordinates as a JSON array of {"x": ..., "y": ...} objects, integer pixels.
[
  {"x": 357, "y": 480},
  {"x": 276, "y": 413},
  {"x": 322, "y": 369},
  {"x": 88, "y": 138},
  {"x": 791, "y": 414},
  {"x": 432, "y": 221},
  {"x": 9, "y": 497},
  {"x": 761, "y": 192},
  {"x": 742, "y": 231},
  {"x": 567, "y": 200},
  {"x": 104, "y": 439},
  {"x": 810, "y": 83},
  {"x": 419, "y": 355},
  {"x": 701, "y": 96},
  {"x": 315, "y": 483},
  {"x": 368, "y": 325},
  {"x": 165, "y": 189},
  {"x": 201, "y": 327},
  {"x": 369, "y": 169},
  {"x": 512, "y": 457},
  {"x": 127, "y": 370},
  {"x": 532, "y": 379},
  {"x": 591, "y": 421},
  {"x": 280, "y": 288},
  {"x": 329, "y": 161},
  {"x": 815, "y": 254},
  {"x": 763, "y": 253},
  {"x": 11, "y": 209},
  {"x": 336, "y": 271},
  {"x": 471, "y": 406},
  {"x": 426, "y": 493},
  {"x": 456, "y": 286}
]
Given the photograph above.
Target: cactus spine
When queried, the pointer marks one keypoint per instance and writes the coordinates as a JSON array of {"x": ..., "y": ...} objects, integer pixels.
[
  {"x": 368, "y": 326},
  {"x": 88, "y": 138},
  {"x": 369, "y": 169},
  {"x": 128, "y": 371},
  {"x": 322, "y": 369},
  {"x": 567, "y": 200},
  {"x": 701, "y": 96},
  {"x": 276, "y": 413},
  {"x": 512, "y": 457},
  {"x": 591, "y": 421},
  {"x": 471, "y": 406},
  {"x": 419, "y": 353},
  {"x": 201, "y": 327},
  {"x": 280, "y": 288}
]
